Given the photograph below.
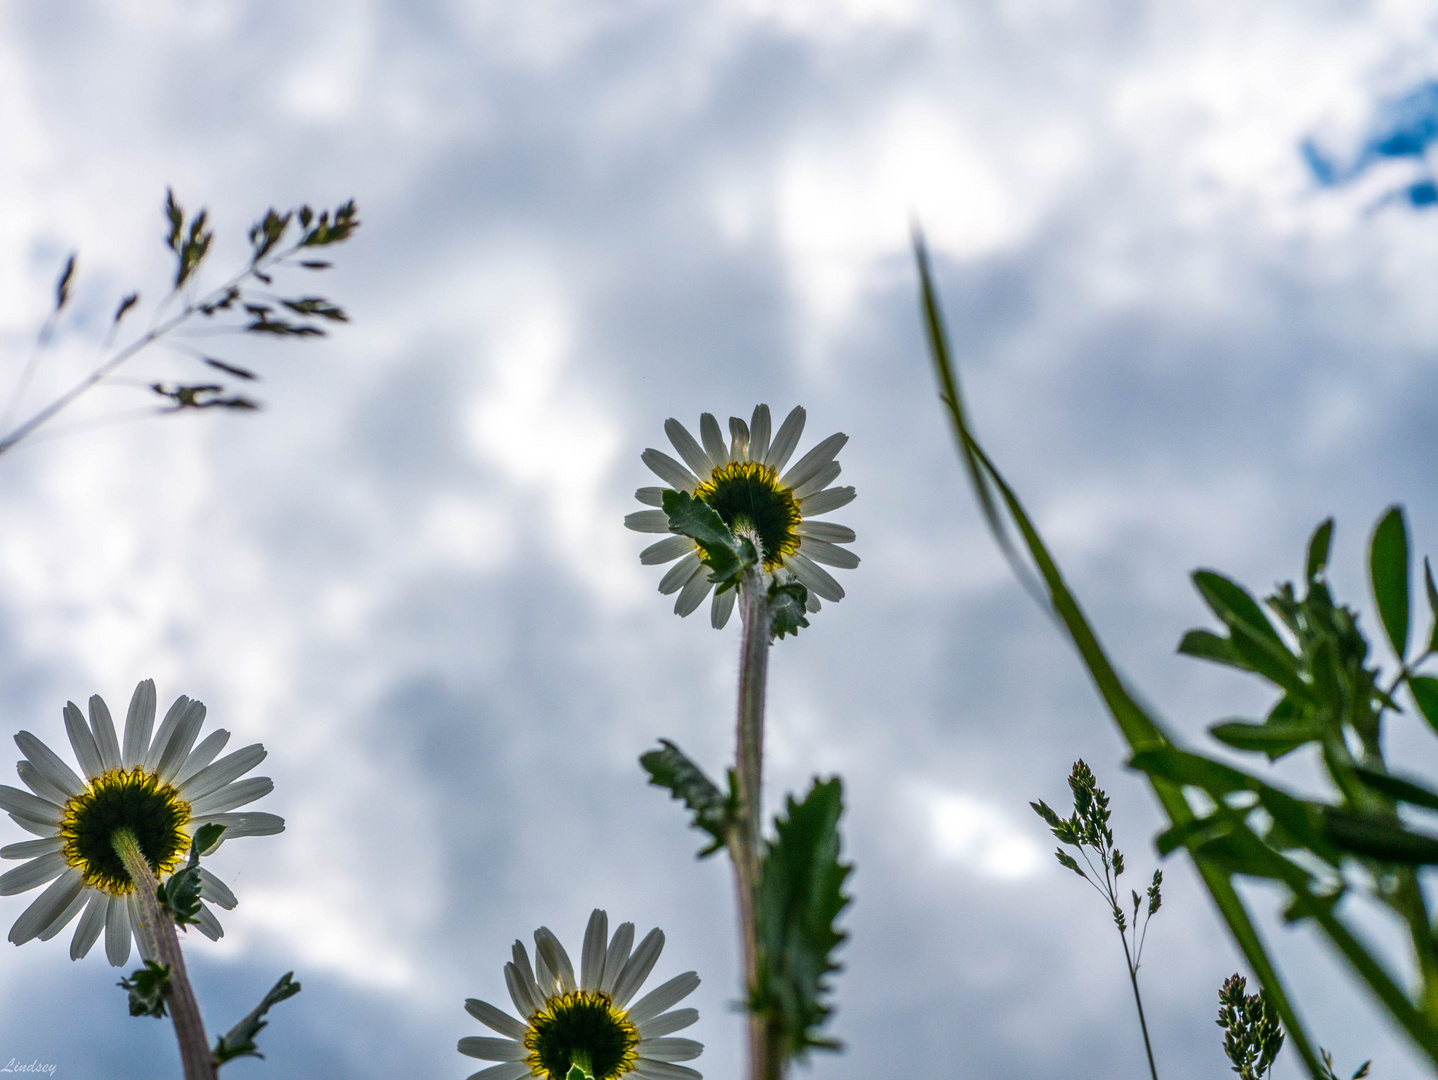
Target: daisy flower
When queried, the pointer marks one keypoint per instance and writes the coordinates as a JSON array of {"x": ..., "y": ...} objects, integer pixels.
[
  {"x": 746, "y": 483},
  {"x": 161, "y": 789},
  {"x": 587, "y": 1024}
]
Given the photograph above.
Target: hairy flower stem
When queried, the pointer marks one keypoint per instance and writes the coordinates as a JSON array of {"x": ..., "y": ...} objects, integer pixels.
[
  {"x": 749, "y": 757},
  {"x": 157, "y": 930}
]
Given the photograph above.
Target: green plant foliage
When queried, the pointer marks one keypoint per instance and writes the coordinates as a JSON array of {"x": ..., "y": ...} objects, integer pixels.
[
  {"x": 1252, "y": 1034},
  {"x": 180, "y": 894},
  {"x": 786, "y": 607},
  {"x": 239, "y": 1041},
  {"x": 148, "y": 987},
  {"x": 1388, "y": 574},
  {"x": 799, "y": 898},
  {"x": 726, "y": 555},
  {"x": 713, "y": 812}
]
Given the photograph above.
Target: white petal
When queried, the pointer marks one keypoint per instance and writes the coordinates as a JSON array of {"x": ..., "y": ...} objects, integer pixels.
[
  {"x": 591, "y": 958},
  {"x": 827, "y": 530},
  {"x": 670, "y": 1049},
  {"x": 201, "y": 756},
  {"x": 233, "y": 795},
  {"x": 662, "y": 1070},
  {"x": 104, "y": 729},
  {"x": 647, "y": 521},
  {"x": 667, "y": 550},
  {"x": 213, "y": 777},
  {"x": 669, "y": 470},
  {"x": 519, "y": 991},
  {"x": 510, "y": 1070},
  {"x": 812, "y": 604},
  {"x": 693, "y": 594},
  {"x": 677, "y": 1020},
  {"x": 713, "y": 439},
  {"x": 208, "y": 924},
  {"x": 554, "y": 956},
  {"x": 138, "y": 723},
  {"x": 37, "y": 782},
  {"x": 91, "y": 923},
  {"x": 33, "y": 827},
  {"x": 487, "y": 1048},
  {"x": 738, "y": 439},
  {"x": 818, "y": 482},
  {"x": 117, "y": 931},
  {"x": 28, "y": 849},
  {"x": 759, "y": 433},
  {"x": 815, "y": 577},
  {"x": 825, "y": 501},
  {"x": 144, "y": 942},
  {"x": 249, "y": 823},
  {"x": 679, "y": 574},
  {"x": 521, "y": 966},
  {"x": 638, "y": 967},
  {"x": 824, "y": 552},
  {"x": 46, "y": 906},
  {"x": 723, "y": 608},
  {"x": 650, "y": 496},
  {"x": 172, "y": 719},
  {"x": 689, "y": 450},
  {"x": 82, "y": 740},
  {"x": 23, "y": 804},
  {"x": 64, "y": 918},
  {"x": 33, "y": 874},
  {"x": 495, "y": 1018},
  {"x": 216, "y": 891},
  {"x": 618, "y": 953},
  {"x": 173, "y": 758},
  {"x": 809, "y": 465},
  {"x": 663, "y": 996},
  {"x": 786, "y": 439},
  {"x": 51, "y": 767}
]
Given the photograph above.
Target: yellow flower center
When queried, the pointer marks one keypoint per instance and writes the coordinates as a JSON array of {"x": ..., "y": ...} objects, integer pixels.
[
  {"x": 748, "y": 497},
  {"x": 582, "y": 1028},
  {"x": 124, "y": 799}
]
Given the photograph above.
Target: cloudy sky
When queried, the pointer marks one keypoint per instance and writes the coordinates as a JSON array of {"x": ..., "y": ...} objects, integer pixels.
[{"x": 408, "y": 576}]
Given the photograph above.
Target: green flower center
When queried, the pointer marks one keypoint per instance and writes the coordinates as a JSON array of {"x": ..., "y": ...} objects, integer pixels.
[
  {"x": 124, "y": 799},
  {"x": 748, "y": 497},
  {"x": 581, "y": 1029}
]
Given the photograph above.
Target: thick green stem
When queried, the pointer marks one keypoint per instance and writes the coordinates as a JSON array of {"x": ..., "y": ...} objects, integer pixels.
[
  {"x": 749, "y": 758},
  {"x": 156, "y": 930}
]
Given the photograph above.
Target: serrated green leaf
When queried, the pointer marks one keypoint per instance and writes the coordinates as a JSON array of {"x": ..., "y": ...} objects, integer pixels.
[
  {"x": 1388, "y": 574},
  {"x": 786, "y": 607},
  {"x": 800, "y": 895},
  {"x": 239, "y": 1041},
  {"x": 148, "y": 987},
  {"x": 712, "y": 811},
  {"x": 725, "y": 554},
  {"x": 1318, "y": 550}
]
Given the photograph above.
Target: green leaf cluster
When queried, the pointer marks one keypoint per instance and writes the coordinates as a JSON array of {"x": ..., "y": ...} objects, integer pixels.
[
  {"x": 1252, "y": 1034},
  {"x": 713, "y": 811},
  {"x": 798, "y": 900},
  {"x": 180, "y": 893},
  {"x": 1330, "y": 700},
  {"x": 787, "y": 602},
  {"x": 148, "y": 986},
  {"x": 239, "y": 1041}
]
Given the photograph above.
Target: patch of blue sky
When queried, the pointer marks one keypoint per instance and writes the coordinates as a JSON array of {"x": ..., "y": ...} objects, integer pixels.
[{"x": 1403, "y": 127}]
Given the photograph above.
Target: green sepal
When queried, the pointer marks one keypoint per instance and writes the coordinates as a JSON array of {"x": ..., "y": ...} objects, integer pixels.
[
  {"x": 786, "y": 607},
  {"x": 1388, "y": 570},
  {"x": 148, "y": 987},
  {"x": 239, "y": 1041},
  {"x": 713, "y": 812},
  {"x": 799, "y": 897},
  {"x": 725, "y": 554}
]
